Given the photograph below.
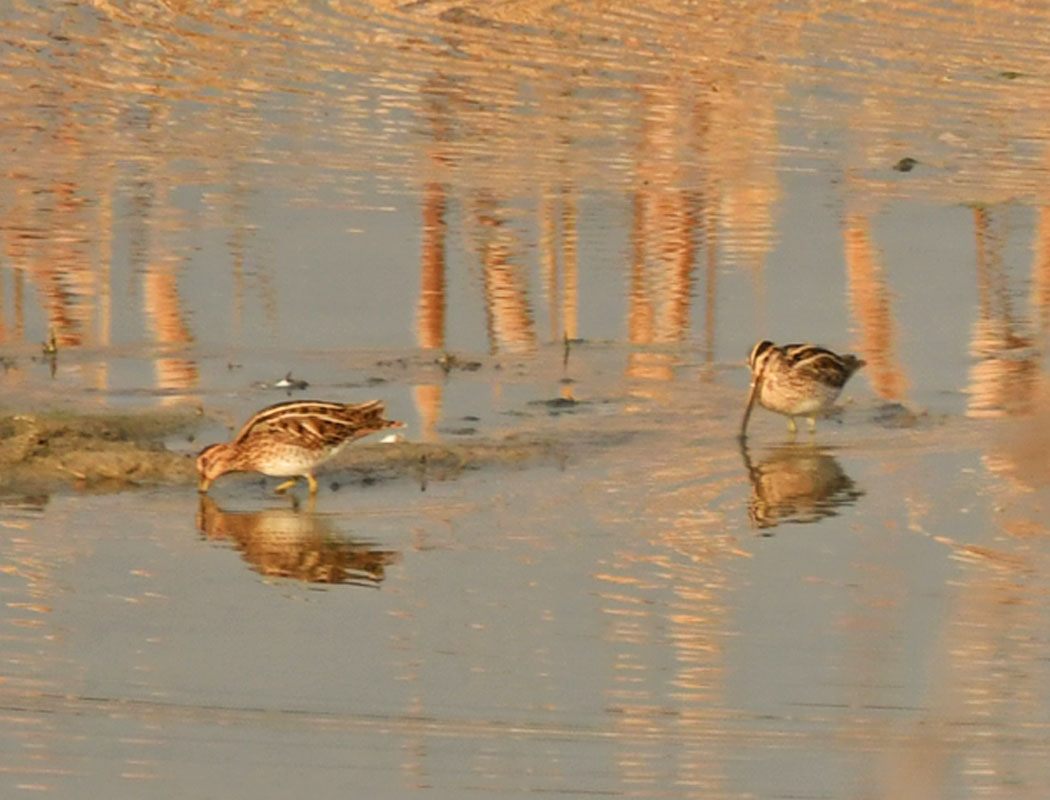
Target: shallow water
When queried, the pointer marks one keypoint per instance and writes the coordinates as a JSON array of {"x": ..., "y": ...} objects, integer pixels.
[{"x": 598, "y": 209}]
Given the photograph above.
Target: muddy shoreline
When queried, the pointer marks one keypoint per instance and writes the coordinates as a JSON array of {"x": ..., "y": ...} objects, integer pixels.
[{"x": 106, "y": 452}]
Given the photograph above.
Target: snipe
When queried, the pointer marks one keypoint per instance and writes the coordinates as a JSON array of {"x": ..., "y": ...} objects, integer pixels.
[
  {"x": 290, "y": 440},
  {"x": 797, "y": 380}
]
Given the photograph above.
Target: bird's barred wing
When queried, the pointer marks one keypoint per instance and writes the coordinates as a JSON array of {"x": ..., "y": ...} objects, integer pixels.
[
  {"x": 314, "y": 423},
  {"x": 825, "y": 367},
  {"x": 800, "y": 352}
]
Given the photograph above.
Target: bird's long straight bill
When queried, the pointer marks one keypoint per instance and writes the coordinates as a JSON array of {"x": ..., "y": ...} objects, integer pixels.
[{"x": 752, "y": 394}]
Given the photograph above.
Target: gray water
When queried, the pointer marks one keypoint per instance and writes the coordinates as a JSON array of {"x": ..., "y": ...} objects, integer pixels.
[{"x": 198, "y": 200}]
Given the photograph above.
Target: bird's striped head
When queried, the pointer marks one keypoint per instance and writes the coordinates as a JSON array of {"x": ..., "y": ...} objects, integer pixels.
[
  {"x": 760, "y": 354},
  {"x": 213, "y": 461}
]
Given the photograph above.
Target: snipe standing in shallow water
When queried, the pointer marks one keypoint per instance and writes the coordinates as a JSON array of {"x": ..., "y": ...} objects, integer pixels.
[
  {"x": 797, "y": 380},
  {"x": 290, "y": 440}
]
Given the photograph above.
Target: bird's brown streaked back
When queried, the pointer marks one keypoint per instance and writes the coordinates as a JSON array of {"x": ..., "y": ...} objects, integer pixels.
[{"x": 316, "y": 422}]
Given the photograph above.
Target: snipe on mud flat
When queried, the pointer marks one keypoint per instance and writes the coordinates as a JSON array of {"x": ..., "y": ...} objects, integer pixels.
[
  {"x": 290, "y": 440},
  {"x": 797, "y": 380}
]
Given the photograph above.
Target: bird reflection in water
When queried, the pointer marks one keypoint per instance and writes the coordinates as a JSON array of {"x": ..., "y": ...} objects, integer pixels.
[
  {"x": 295, "y": 542},
  {"x": 796, "y": 482}
]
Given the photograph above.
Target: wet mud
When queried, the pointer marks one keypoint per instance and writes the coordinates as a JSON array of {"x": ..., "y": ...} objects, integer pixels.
[{"x": 55, "y": 451}]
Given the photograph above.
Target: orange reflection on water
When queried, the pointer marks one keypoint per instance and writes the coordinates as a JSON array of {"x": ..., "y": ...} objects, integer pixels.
[
  {"x": 163, "y": 307},
  {"x": 430, "y": 316},
  {"x": 58, "y": 266},
  {"x": 669, "y": 593},
  {"x": 12, "y": 330},
  {"x": 295, "y": 543},
  {"x": 664, "y": 218},
  {"x": 663, "y": 246},
  {"x": 1006, "y": 362},
  {"x": 508, "y": 313},
  {"x": 559, "y": 261},
  {"x": 661, "y": 278},
  {"x": 1020, "y": 452},
  {"x": 871, "y": 304},
  {"x": 430, "y": 320}
]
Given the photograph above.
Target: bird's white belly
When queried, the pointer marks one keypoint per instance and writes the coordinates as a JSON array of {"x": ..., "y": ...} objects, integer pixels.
[
  {"x": 814, "y": 399},
  {"x": 289, "y": 461}
]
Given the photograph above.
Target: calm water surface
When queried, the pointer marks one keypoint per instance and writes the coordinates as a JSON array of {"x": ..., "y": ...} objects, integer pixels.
[{"x": 198, "y": 199}]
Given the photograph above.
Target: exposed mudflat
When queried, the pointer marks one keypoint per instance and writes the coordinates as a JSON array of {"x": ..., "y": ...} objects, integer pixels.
[
  {"x": 45, "y": 452},
  {"x": 62, "y": 450}
]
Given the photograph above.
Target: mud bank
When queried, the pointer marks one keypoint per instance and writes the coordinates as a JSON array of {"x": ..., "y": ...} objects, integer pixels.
[
  {"x": 52, "y": 451},
  {"x": 48, "y": 451}
]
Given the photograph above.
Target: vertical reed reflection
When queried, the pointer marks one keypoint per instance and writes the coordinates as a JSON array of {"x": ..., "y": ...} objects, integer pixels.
[
  {"x": 51, "y": 250},
  {"x": 430, "y": 318},
  {"x": 1040, "y": 298},
  {"x": 570, "y": 306},
  {"x": 709, "y": 229},
  {"x": 508, "y": 313},
  {"x": 559, "y": 267},
  {"x": 104, "y": 323},
  {"x": 1006, "y": 362},
  {"x": 4, "y": 332},
  {"x": 55, "y": 234},
  {"x": 663, "y": 246},
  {"x": 870, "y": 301},
  {"x": 152, "y": 223},
  {"x": 432, "y": 305},
  {"x": 549, "y": 276},
  {"x": 163, "y": 307},
  {"x": 430, "y": 321}
]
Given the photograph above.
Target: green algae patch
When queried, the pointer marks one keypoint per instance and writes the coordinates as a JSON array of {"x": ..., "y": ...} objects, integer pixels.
[{"x": 53, "y": 450}]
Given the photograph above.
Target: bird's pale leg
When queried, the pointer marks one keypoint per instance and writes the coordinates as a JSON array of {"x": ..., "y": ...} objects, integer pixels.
[
  {"x": 792, "y": 427},
  {"x": 284, "y": 487},
  {"x": 812, "y": 424},
  {"x": 312, "y": 481}
]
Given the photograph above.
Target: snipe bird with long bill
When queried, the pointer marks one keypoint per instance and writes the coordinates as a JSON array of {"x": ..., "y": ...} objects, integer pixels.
[
  {"x": 797, "y": 380},
  {"x": 290, "y": 440}
]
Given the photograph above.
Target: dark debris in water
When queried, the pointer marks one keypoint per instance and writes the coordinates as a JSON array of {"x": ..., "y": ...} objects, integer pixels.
[
  {"x": 288, "y": 383},
  {"x": 291, "y": 384},
  {"x": 906, "y": 164},
  {"x": 557, "y": 405},
  {"x": 898, "y": 415},
  {"x": 449, "y": 362},
  {"x": 464, "y": 431}
]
